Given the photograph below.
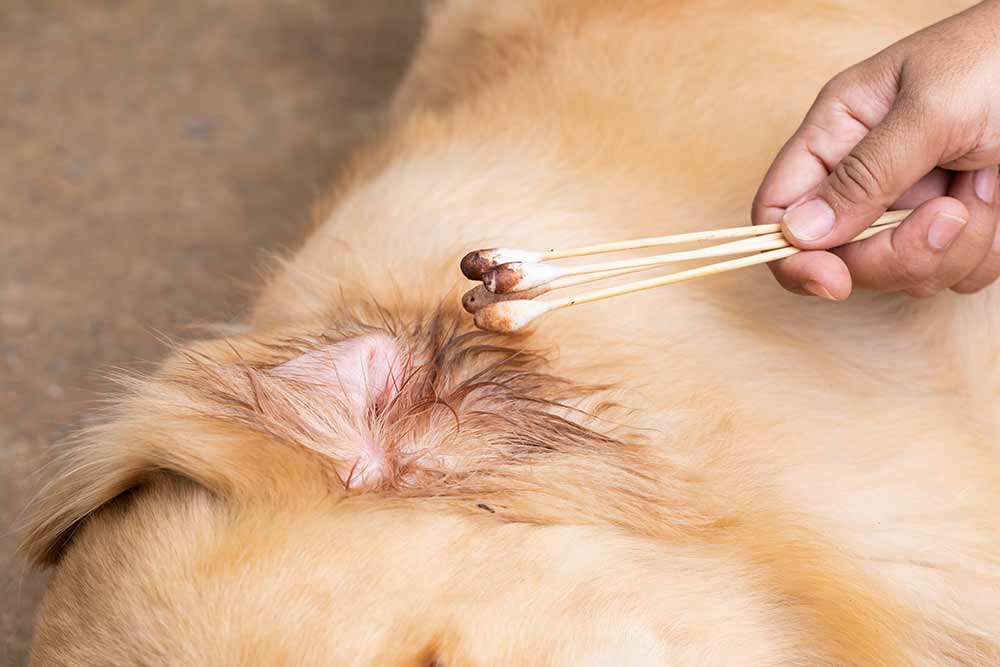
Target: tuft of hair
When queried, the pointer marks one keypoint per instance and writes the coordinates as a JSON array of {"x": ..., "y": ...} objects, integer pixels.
[
  {"x": 364, "y": 405},
  {"x": 442, "y": 403}
]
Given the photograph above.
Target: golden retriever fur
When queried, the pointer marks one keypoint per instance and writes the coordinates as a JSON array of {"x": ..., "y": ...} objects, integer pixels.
[{"x": 717, "y": 473}]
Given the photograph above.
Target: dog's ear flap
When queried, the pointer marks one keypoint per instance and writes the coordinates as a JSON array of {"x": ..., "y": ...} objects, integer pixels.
[
  {"x": 107, "y": 461},
  {"x": 90, "y": 477},
  {"x": 233, "y": 429}
]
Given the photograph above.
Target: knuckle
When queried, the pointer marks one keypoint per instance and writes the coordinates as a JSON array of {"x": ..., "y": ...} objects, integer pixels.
[
  {"x": 760, "y": 211},
  {"x": 857, "y": 178},
  {"x": 938, "y": 102},
  {"x": 831, "y": 90},
  {"x": 844, "y": 80},
  {"x": 914, "y": 269},
  {"x": 834, "y": 86}
]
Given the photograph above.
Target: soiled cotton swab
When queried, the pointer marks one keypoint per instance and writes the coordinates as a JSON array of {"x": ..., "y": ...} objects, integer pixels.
[
  {"x": 520, "y": 276},
  {"x": 475, "y": 264},
  {"x": 478, "y": 262},
  {"x": 479, "y": 297},
  {"x": 510, "y": 316},
  {"x": 509, "y": 289}
]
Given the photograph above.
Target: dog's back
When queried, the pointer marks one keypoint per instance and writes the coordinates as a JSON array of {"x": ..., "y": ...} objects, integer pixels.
[{"x": 714, "y": 473}]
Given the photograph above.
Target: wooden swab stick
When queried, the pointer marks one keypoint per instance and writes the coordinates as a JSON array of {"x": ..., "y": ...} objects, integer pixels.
[
  {"x": 479, "y": 297},
  {"x": 521, "y": 276},
  {"x": 478, "y": 262},
  {"x": 692, "y": 237},
  {"x": 510, "y": 316}
]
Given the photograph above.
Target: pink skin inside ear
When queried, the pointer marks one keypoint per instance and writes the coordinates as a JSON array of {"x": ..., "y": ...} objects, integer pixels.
[
  {"x": 363, "y": 374},
  {"x": 360, "y": 369}
]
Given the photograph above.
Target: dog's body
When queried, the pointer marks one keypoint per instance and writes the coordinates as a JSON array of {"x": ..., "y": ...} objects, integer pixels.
[{"x": 792, "y": 482}]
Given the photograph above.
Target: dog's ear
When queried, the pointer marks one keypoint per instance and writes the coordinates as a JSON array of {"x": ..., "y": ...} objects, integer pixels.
[
  {"x": 138, "y": 445},
  {"x": 233, "y": 425},
  {"x": 334, "y": 398}
]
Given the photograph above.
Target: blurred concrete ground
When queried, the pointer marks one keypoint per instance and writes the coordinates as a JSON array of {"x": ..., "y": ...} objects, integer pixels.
[{"x": 150, "y": 154}]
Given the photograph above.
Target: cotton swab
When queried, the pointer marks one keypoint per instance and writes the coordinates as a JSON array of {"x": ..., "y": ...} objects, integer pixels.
[
  {"x": 512, "y": 315},
  {"x": 519, "y": 276},
  {"x": 476, "y": 263}
]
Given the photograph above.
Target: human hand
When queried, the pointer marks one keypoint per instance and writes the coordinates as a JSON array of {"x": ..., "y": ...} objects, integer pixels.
[{"x": 915, "y": 126}]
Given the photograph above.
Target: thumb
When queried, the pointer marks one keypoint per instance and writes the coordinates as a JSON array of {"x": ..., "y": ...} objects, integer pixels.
[{"x": 893, "y": 156}]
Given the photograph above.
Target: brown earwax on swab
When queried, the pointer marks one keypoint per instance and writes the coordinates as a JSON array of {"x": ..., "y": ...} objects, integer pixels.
[
  {"x": 479, "y": 297},
  {"x": 478, "y": 262},
  {"x": 510, "y": 316}
]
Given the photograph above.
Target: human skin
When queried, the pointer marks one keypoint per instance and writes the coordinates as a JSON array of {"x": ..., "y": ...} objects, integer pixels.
[{"x": 914, "y": 126}]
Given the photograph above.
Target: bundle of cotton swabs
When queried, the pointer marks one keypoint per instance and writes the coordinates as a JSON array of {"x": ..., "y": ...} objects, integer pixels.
[{"x": 513, "y": 279}]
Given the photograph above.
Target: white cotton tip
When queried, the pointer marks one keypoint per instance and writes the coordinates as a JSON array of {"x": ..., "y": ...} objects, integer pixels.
[
  {"x": 510, "y": 316},
  {"x": 520, "y": 276},
  {"x": 505, "y": 255},
  {"x": 478, "y": 262}
]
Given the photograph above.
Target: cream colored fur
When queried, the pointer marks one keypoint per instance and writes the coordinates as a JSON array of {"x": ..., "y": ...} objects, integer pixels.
[{"x": 780, "y": 481}]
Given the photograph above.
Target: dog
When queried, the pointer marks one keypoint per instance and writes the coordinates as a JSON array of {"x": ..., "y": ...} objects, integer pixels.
[{"x": 714, "y": 473}]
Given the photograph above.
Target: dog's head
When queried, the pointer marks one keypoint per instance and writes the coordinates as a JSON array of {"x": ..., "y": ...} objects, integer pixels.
[
  {"x": 360, "y": 491},
  {"x": 362, "y": 494}
]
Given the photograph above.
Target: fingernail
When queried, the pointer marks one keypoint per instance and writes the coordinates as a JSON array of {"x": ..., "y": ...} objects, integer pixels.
[
  {"x": 944, "y": 230},
  {"x": 810, "y": 220},
  {"x": 985, "y": 183},
  {"x": 817, "y": 289}
]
